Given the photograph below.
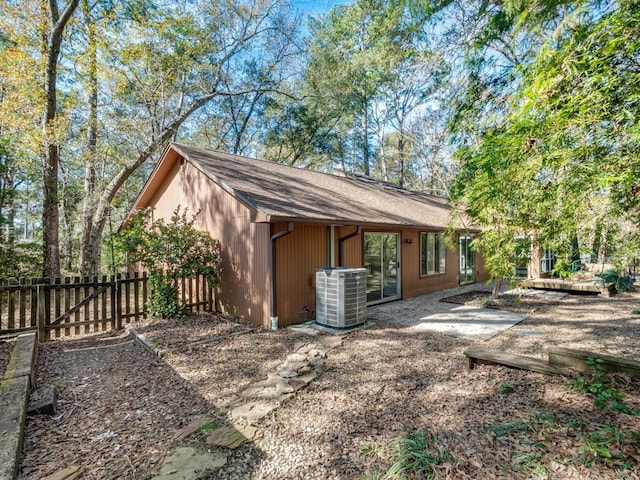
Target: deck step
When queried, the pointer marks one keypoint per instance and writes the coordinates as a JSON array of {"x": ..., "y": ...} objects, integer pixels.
[
  {"x": 569, "y": 357},
  {"x": 483, "y": 356}
]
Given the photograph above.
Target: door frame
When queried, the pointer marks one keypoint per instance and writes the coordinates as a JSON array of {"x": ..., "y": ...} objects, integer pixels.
[{"x": 398, "y": 236}]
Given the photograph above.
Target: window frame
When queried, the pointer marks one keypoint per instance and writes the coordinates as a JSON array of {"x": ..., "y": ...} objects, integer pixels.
[{"x": 434, "y": 243}]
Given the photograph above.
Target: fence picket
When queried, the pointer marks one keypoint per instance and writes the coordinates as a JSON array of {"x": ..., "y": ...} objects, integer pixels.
[
  {"x": 103, "y": 304},
  {"x": 76, "y": 300},
  {"x": 136, "y": 297},
  {"x": 144, "y": 294},
  {"x": 67, "y": 305},
  {"x": 85, "y": 308},
  {"x": 22, "y": 300},
  {"x": 56, "y": 301},
  {"x": 11, "y": 310},
  {"x": 34, "y": 303}
]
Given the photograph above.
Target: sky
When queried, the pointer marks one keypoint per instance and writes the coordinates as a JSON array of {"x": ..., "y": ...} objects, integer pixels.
[{"x": 316, "y": 7}]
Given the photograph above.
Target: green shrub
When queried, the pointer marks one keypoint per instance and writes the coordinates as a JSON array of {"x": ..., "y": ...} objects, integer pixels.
[
  {"x": 622, "y": 283},
  {"x": 170, "y": 251}
]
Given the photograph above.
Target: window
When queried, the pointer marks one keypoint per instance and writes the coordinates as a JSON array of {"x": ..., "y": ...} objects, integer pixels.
[
  {"x": 548, "y": 261},
  {"x": 432, "y": 253}
]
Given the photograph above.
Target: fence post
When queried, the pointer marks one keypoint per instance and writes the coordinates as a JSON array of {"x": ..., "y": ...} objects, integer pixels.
[
  {"x": 42, "y": 316},
  {"x": 210, "y": 295}
]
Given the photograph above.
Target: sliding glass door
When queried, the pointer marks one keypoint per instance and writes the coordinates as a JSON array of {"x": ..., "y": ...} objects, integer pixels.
[
  {"x": 382, "y": 261},
  {"x": 467, "y": 260}
]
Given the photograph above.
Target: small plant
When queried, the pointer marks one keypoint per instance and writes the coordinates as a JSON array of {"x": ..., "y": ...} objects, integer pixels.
[
  {"x": 530, "y": 463},
  {"x": 507, "y": 428},
  {"x": 562, "y": 269},
  {"x": 604, "y": 445},
  {"x": 207, "y": 427},
  {"x": 635, "y": 312},
  {"x": 416, "y": 456},
  {"x": 372, "y": 450},
  {"x": 375, "y": 475},
  {"x": 622, "y": 283},
  {"x": 533, "y": 424},
  {"x": 507, "y": 389},
  {"x": 543, "y": 419},
  {"x": 600, "y": 385}
]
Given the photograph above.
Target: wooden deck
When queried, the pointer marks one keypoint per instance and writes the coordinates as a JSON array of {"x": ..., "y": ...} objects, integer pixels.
[{"x": 578, "y": 286}]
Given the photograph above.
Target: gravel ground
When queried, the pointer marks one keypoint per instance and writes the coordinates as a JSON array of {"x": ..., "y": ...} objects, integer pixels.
[{"x": 122, "y": 409}]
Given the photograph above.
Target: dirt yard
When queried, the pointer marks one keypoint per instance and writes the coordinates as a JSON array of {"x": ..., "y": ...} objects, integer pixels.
[{"x": 121, "y": 409}]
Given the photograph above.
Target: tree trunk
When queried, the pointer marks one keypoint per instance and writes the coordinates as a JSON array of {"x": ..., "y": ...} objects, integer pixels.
[
  {"x": 365, "y": 138},
  {"x": 50, "y": 211},
  {"x": 497, "y": 283},
  {"x": 89, "y": 262},
  {"x": 597, "y": 242},
  {"x": 401, "y": 180}
]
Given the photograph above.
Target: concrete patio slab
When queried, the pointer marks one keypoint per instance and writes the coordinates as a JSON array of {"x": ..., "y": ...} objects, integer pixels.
[
  {"x": 472, "y": 323},
  {"x": 428, "y": 313}
]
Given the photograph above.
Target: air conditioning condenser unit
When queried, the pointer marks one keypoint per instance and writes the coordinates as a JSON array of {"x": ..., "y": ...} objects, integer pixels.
[{"x": 341, "y": 297}]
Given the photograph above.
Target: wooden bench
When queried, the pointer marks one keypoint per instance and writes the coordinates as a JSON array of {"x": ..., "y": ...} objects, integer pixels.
[
  {"x": 484, "y": 356},
  {"x": 568, "y": 357}
]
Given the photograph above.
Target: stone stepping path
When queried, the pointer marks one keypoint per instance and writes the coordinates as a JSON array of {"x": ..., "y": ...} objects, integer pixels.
[{"x": 252, "y": 405}]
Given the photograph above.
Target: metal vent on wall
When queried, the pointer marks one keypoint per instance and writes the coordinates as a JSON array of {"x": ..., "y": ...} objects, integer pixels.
[{"x": 341, "y": 297}]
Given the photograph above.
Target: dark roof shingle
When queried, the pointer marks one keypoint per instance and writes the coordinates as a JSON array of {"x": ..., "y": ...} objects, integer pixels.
[{"x": 280, "y": 192}]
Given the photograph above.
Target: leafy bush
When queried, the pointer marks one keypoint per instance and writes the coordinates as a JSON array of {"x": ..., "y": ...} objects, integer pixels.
[
  {"x": 562, "y": 269},
  {"x": 622, "y": 283},
  {"x": 170, "y": 251}
]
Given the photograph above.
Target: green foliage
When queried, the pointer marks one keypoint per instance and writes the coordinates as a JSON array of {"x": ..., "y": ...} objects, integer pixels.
[
  {"x": 170, "y": 251},
  {"x": 207, "y": 427},
  {"x": 622, "y": 283},
  {"x": 164, "y": 300},
  {"x": 562, "y": 268},
  {"x": 533, "y": 424},
  {"x": 507, "y": 389},
  {"x": 604, "y": 445},
  {"x": 600, "y": 386},
  {"x": 563, "y": 155},
  {"x": 416, "y": 456},
  {"x": 530, "y": 463},
  {"x": 21, "y": 260}
]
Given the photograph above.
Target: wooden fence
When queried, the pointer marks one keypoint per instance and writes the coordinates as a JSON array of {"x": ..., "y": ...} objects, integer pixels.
[{"x": 74, "y": 306}]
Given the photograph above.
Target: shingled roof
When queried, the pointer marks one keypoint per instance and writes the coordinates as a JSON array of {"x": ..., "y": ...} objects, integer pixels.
[{"x": 279, "y": 192}]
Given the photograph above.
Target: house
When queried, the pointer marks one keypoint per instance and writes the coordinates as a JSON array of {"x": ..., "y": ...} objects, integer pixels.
[{"x": 278, "y": 224}]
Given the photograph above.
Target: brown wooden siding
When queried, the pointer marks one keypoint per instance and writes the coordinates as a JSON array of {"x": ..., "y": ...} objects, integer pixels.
[
  {"x": 352, "y": 248},
  {"x": 244, "y": 278},
  {"x": 299, "y": 254},
  {"x": 412, "y": 282}
]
